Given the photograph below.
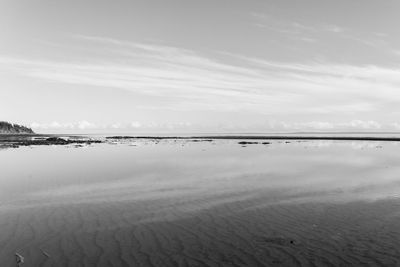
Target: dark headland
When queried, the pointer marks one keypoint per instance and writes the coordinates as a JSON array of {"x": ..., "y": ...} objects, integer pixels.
[
  {"x": 9, "y": 128},
  {"x": 15, "y": 135}
]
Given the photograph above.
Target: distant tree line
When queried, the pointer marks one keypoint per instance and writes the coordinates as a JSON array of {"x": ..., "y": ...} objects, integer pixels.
[{"x": 9, "y": 128}]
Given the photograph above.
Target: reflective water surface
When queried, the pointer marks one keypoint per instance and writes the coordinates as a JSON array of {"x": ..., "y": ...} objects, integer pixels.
[
  {"x": 183, "y": 203},
  {"x": 291, "y": 171}
]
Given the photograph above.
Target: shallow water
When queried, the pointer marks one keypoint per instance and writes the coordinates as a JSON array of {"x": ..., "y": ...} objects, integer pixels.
[{"x": 183, "y": 203}]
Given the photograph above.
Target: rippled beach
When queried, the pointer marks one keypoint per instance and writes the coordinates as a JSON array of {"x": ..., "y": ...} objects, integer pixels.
[{"x": 207, "y": 203}]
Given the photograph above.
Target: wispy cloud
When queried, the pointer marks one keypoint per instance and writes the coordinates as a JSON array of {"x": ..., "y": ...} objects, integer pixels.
[
  {"x": 191, "y": 81},
  {"x": 325, "y": 33},
  {"x": 333, "y": 28},
  {"x": 293, "y": 27}
]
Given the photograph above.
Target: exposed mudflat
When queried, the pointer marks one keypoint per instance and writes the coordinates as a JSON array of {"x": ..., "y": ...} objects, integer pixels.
[
  {"x": 157, "y": 233},
  {"x": 15, "y": 141}
]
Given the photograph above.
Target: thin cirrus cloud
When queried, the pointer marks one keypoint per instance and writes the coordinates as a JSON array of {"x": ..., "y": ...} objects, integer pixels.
[
  {"x": 325, "y": 34},
  {"x": 293, "y": 28},
  {"x": 224, "y": 82}
]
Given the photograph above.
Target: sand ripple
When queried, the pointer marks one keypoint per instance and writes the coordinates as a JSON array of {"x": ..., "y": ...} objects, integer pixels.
[{"x": 238, "y": 233}]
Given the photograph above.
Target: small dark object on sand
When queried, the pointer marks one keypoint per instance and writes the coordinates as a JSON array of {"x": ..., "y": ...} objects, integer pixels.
[
  {"x": 19, "y": 259},
  {"x": 280, "y": 241},
  {"x": 266, "y": 143},
  {"x": 45, "y": 253}
]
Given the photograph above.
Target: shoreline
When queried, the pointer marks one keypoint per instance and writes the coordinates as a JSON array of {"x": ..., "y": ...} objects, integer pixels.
[
  {"x": 261, "y": 137},
  {"x": 17, "y": 140}
]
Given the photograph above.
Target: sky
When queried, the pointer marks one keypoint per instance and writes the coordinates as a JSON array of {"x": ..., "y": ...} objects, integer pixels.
[{"x": 177, "y": 66}]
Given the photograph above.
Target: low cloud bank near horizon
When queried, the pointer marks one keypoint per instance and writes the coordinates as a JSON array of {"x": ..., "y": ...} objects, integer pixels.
[{"x": 268, "y": 126}]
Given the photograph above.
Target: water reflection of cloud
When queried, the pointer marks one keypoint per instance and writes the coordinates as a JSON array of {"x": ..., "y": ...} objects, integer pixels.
[
  {"x": 279, "y": 173},
  {"x": 330, "y": 143}
]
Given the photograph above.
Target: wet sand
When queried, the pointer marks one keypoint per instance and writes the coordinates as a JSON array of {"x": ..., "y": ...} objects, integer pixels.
[
  {"x": 232, "y": 234},
  {"x": 204, "y": 204}
]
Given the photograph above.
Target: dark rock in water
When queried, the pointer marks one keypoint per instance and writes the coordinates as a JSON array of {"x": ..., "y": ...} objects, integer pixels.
[
  {"x": 121, "y": 137},
  {"x": 247, "y": 143},
  {"x": 201, "y": 140},
  {"x": 56, "y": 140},
  {"x": 14, "y": 141}
]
